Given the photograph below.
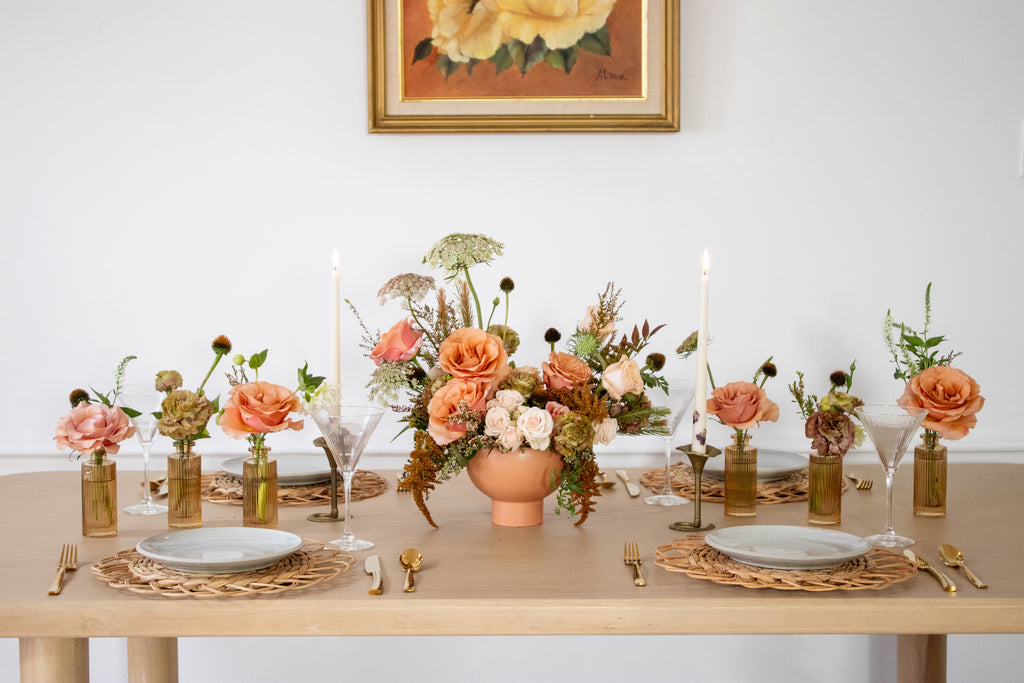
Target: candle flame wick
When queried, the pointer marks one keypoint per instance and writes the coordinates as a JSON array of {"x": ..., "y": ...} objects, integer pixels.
[
  {"x": 704, "y": 263},
  {"x": 335, "y": 259}
]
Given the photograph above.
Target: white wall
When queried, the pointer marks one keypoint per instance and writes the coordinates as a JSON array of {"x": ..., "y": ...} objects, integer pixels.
[{"x": 172, "y": 171}]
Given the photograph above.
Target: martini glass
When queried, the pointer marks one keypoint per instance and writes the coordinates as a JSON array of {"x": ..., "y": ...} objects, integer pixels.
[
  {"x": 890, "y": 427},
  {"x": 346, "y": 429},
  {"x": 145, "y": 399},
  {"x": 678, "y": 400}
]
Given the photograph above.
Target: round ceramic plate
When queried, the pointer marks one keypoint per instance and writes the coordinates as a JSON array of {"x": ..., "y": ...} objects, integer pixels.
[
  {"x": 771, "y": 465},
  {"x": 219, "y": 550},
  {"x": 292, "y": 470},
  {"x": 787, "y": 547}
]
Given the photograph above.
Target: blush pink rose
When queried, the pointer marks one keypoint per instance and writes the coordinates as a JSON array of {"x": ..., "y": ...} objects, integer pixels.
[
  {"x": 444, "y": 404},
  {"x": 950, "y": 396},
  {"x": 470, "y": 353},
  {"x": 621, "y": 378},
  {"x": 742, "y": 405},
  {"x": 91, "y": 427},
  {"x": 605, "y": 432},
  {"x": 536, "y": 425},
  {"x": 398, "y": 344},
  {"x": 259, "y": 408},
  {"x": 565, "y": 371}
]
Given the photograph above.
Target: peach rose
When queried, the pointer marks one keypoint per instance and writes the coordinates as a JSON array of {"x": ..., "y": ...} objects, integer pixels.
[
  {"x": 565, "y": 371},
  {"x": 589, "y": 324},
  {"x": 950, "y": 396},
  {"x": 621, "y": 378},
  {"x": 398, "y": 344},
  {"x": 470, "y": 353},
  {"x": 91, "y": 427},
  {"x": 445, "y": 404},
  {"x": 742, "y": 405},
  {"x": 259, "y": 408},
  {"x": 605, "y": 432}
]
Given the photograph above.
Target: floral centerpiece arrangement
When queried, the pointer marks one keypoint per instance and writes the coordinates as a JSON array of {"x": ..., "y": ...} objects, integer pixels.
[
  {"x": 467, "y": 400},
  {"x": 740, "y": 406},
  {"x": 951, "y": 397},
  {"x": 252, "y": 410},
  {"x": 96, "y": 430},
  {"x": 829, "y": 424}
]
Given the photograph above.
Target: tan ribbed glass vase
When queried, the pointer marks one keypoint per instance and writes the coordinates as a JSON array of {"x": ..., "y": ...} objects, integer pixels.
[
  {"x": 825, "y": 489},
  {"x": 99, "y": 496},
  {"x": 184, "y": 488},
  {"x": 930, "y": 479},
  {"x": 740, "y": 478},
  {"x": 259, "y": 490}
]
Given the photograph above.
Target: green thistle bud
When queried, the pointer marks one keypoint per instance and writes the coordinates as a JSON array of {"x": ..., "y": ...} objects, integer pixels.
[
  {"x": 78, "y": 396},
  {"x": 586, "y": 344},
  {"x": 506, "y": 285},
  {"x": 221, "y": 345}
]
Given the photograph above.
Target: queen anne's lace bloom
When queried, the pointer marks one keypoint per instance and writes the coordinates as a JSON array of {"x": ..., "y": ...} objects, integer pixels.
[
  {"x": 404, "y": 287},
  {"x": 460, "y": 250}
]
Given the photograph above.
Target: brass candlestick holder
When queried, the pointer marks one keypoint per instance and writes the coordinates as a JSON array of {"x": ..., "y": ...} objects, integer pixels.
[
  {"x": 333, "y": 515},
  {"x": 697, "y": 462}
]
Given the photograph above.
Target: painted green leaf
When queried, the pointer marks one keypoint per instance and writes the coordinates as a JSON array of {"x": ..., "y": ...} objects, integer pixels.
[
  {"x": 564, "y": 59},
  {"x": 599, "y": 42},
  {"x": 502, "y": 59},
  {"x": 535, "y": 53},
  {"x": 422, "y": 49},
  {"x": 446, "y": 66}
]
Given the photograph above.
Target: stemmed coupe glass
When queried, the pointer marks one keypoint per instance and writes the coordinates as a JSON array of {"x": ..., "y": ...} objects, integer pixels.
[
  {"x": 677, "y": 400},
  {"x": 890, "y": 427},
  {"x": 347, "y": 429},
  {"x": 145, "y": 399}
]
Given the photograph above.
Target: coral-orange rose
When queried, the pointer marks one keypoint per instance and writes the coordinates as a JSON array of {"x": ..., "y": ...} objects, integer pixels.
[
  {"x": 90, "y": 427},
  {"x": 445, "y": 403},
  {"x": 565, "y": 371},
  {"x": 950, "y": 396},
  {"x": 259, "y": 408},
  {"x": 742, "y": 405},
  {"x": 471, "y": 353},
  {"x": 400, "y": 343}
]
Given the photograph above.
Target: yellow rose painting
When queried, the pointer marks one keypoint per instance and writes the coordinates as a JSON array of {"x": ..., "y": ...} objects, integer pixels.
[{"x": 522, "y": 48}]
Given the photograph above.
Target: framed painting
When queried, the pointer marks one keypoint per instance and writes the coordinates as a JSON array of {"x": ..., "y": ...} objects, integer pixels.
[{"x": 472, "y": 66}]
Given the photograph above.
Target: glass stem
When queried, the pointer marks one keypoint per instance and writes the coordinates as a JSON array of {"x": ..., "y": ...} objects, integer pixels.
[
  {"x": 147, "y": 494},
  {"x": 347, "y": 477},
  {"x": 889, "y": 475},
  {"x": 667, "y": 490}
]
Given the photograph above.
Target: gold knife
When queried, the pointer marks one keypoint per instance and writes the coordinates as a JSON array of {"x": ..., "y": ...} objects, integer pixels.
[
  {"x": 632, "y": 489},
  {"x": 371, "y": 565},
  {"x": 947, "y": 584}
]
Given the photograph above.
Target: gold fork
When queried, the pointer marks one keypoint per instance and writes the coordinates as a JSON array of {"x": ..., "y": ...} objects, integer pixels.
[
  {"x": 68, "y": 562},
  {"x": 631, "y": 555},
  {"x": 862, "y": 484}
]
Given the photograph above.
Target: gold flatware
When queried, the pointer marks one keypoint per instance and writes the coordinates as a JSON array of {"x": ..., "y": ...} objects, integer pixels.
[
  {"x": 952, "y": 556},
  {"x": 604, "y": 483},
  {"x": 68, "y": 562},
  {"x": 632, "y": 489},
  {"x": 400, "y": 475},
  {"x": 372, "y": 566},
  {"x": 947, "y": 584},
  {"x": 861, "y": 484},
  {"x": 410, "y": 560},
  {"x": 631, "y": 555}
]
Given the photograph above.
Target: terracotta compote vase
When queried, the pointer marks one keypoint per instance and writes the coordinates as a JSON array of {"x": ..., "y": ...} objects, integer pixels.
[{"x": 516, "y": 482}]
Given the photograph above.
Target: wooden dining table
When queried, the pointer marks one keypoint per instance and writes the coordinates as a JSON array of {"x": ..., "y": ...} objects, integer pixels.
[{"x": 482, "y": 579}]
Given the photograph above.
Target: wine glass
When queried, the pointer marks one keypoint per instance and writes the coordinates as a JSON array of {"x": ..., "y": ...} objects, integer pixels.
[
  {"x": 890, "y": 427},
  {"x": 144, "y": 399},
  {"x": 346, "y": 429},
  {"x": 677, "y": 400}
]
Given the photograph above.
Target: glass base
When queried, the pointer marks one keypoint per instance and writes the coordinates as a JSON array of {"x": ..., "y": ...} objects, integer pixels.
[
  {"x": 146, "y": 509},
  {"x": 352, "y": 544},
  {"x": 666, "y": 500},
  {"x": 890, "y": 541}
]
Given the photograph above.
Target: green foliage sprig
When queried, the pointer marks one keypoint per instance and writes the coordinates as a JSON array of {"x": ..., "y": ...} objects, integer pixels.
[{"x": 912, "y": 351}]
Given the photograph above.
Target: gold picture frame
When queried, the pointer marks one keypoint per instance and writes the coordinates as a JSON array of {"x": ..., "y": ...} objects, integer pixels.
[{"x": 401, "y": 99}]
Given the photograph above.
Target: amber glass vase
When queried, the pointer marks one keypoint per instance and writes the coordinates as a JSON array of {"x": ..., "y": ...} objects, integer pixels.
[
  {"x": 740, "y": 478},
  {"x": 259, "y": 489},
  {"x": 930, "y": 478},
  {"x": 99, "y": 496},
  {"x": 184, "y": 499},
  {"x": 825, "y": 489}
]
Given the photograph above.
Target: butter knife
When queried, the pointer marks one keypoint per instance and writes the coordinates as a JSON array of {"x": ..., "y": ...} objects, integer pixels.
[
  {"x": 372, "y": 566},
  {"x": 632, "y": 489},
  {"x": 947, "y": 584}
]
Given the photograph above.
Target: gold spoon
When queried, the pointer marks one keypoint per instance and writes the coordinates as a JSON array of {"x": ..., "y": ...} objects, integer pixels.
[
  {"x": 604, "y": 483},
  {"x": 410, "y": 560},
  {"x": 954, "y": 558}
]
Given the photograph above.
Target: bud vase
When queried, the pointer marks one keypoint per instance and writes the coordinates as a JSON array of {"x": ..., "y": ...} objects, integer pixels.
[
  {"x": 99, "y": 497},
  {"x": 825, "y": 489},
  {"x": 930, "y": 479},
  {"x": 184, "y": 501},
  {"x": 741, "y": 478},
  {"x": 259, "y": 490}
]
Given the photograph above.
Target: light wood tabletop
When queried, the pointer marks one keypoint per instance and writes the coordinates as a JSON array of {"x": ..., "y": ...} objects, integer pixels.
[{"x": 481, "y": 579}]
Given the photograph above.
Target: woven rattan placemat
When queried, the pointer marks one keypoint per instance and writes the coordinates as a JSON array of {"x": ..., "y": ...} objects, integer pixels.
[
  {"x": 876, "y": 570},
  {"x": 313, "y": 563},
  {"x": 792, "y": 488},
  {"x": 221, "y": 487}
]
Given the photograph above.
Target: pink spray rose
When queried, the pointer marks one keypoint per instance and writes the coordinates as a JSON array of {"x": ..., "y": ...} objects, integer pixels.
[
  {"x": 91, "y": 427},
  {"x": 398, "y": 344}
]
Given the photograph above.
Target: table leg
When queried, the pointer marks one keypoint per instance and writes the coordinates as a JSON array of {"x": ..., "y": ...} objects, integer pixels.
[
  {"x": 921, "y": 658},
  {"x": 153, "y": 660},
  {"x": 43, "y": 660}
]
